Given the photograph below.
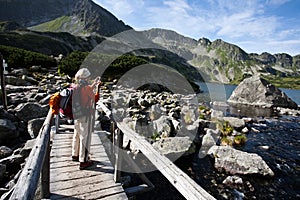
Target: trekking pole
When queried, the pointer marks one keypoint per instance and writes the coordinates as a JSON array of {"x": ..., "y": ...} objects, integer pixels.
[{"x": 88, "y": 139}]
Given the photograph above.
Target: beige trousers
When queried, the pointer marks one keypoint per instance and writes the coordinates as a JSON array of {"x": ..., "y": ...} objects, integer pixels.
[{"x": 81, "y": 139}]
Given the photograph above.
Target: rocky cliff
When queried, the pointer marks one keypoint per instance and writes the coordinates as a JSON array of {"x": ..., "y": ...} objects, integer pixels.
[{"x": 76, "y": 17}]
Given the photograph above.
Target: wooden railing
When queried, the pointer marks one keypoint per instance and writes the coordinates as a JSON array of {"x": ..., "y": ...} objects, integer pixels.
[
  {"x": 180, "y": 180},
  {"x": 37, "y": 167}
]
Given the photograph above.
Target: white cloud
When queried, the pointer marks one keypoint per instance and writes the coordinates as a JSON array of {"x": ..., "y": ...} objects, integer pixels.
[
  {"x": 238, "y": 21},
  {"x": 277, "y": 2},
  {"x": 121, "y": 8},
  {"x": 272, "y": 46}
]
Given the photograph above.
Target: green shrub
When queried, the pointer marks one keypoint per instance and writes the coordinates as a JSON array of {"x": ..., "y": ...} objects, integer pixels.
[
  {"x": 121, "y": 65},
  {"x": 20, "y": 58},
  {"x": 70, "y": 64}
]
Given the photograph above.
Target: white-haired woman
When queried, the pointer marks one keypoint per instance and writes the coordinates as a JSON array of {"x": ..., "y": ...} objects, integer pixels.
[{"x": 83, "y": 104}]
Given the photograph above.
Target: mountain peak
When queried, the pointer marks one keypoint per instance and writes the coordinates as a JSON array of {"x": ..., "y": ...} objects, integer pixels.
[{"x": 81, "y": 16}]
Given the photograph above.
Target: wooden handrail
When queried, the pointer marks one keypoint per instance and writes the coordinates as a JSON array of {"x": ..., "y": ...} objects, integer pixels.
[
  {"x": 37, "y": 166},
  {"x": 180, "y": 180}
]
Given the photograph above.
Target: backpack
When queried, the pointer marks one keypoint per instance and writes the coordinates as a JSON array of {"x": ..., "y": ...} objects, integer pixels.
[
  {"x": 80, "y": 108},
  {"x": 61, "y": 102},
  {"x": 65, "y": 103}
]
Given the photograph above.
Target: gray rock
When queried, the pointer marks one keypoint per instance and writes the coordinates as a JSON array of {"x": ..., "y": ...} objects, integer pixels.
[
  {"x": 2, "y": 171},
  {"x": 40, "y": 96},
  {"x": 13, "y": 160},
  {"x": 12, "y": 80},
  {"x": 155, "y": 112},
  {"x": 174, "y": 147},
  {"x": 20, "y": 71},
  {"x": 209, "y": 140},
  {"x": 8, "y": 130},
  {"x": 7, "y": 115},
  {"x": 34, "y": 126},
  {"x": 29, "y": 111},
  {"x": 45, "y": 100},
  {"x": 235, "y": 122},
  {"x": 238, "y": 162},
  {"x": 163, "y": 126},
  {"x": 30, "y": 79},
  {"x": 259, "y": 92},
  {"x": 25, "y": 151},
  {"x": 5, "y": 152},
  {"x": 216, "y": 113},
  {"x": 233, "y": 181},
  {"x": 189, "y": 115}
]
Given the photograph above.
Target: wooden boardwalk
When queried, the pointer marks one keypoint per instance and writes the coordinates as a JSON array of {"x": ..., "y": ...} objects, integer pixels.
[{"x": 68, "y": 182}]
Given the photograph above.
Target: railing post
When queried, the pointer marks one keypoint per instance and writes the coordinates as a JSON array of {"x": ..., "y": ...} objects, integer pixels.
[
  {"x": 118, "y": 156},
  {"x": 4, "y": 99},
  {"x": 45, "y": 173},
  {"x": 112, "y": 131},
  {"x": 57, "y": 123}
]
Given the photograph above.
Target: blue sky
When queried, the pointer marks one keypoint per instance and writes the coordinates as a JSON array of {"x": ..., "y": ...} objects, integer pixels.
[{"x": 254, "y": 25}]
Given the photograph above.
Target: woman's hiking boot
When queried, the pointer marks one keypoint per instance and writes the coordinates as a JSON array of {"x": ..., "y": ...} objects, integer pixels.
[{"x": 84, "y": 165}]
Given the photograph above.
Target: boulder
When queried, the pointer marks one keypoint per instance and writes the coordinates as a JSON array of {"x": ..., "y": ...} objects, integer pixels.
[
  {"x": 162, "y": 126},
  {"x": 238, "y": 162},
  {"x": 209, "y": 140},
  {"x": 16, "y": 81},
  {"x": 174, "y": 147},
  {"x": 259, "y": 92},
  {"x": 34, "y": 126},
  {"x": 5, "y": 152},
  {"x": 233, "y": 182},
  {"x": 25, "y": 151},
  {"x": 2, "y": 171},
  {"x": 8, "y": 131},
  {"x": 155, "y": 112},
  {"x": 29, "y": 111},
  {"x": 235, "y": 122}
]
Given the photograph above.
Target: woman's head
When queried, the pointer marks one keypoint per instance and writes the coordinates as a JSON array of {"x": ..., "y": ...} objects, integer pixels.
[{"x": 83, "y": 73}]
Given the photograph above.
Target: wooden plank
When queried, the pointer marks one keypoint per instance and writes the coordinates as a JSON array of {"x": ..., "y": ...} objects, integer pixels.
[
  {"x": 87, "y": 187},
  {"x": 74, "y": 182},
  {"x": 91, "y": 193}
]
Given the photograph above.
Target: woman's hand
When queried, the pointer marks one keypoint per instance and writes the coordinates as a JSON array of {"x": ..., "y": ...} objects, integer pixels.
[{"x": 96, "y": 81}]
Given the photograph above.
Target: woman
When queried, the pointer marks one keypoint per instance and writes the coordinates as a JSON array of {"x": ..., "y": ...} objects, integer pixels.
[{"x": 85, "y": 98}]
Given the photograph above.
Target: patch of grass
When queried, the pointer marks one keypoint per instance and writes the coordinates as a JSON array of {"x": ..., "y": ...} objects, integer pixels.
[
  {"x": 155, "y": 136},
  {"x": 284, "y": 82},
  {"x": 240, "y": 139},
  {"x": 225, "y": 127},
  {"x": 53, "y": 25},
  {"x": 226, "y": 141}
]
